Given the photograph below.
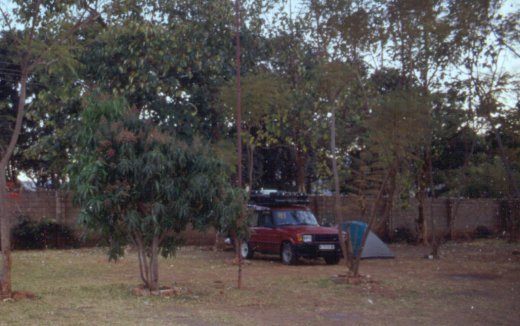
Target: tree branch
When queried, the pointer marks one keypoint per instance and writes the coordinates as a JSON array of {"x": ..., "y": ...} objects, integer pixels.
[
  {"x": 80, "y": 24},
  {"x": 7, "y": 20}
]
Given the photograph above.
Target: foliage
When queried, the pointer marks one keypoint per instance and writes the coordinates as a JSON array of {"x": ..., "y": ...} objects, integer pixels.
[
  {"x": 171, "y": 68},
  {"x": 389, "y": 70},
  {"x": 397, "y": 126},
  {"x": 264, "y": 111},
  {"x": 9, "y": 96},
  {"x": 171, "y": 60},
  {"x": 133, "y": 180},
  {"x": 45, "y": 234},
  {"x": 42, "y": 40}
]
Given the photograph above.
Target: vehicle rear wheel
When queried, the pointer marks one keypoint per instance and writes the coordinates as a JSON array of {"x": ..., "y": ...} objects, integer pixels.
[
  {"x": 331, "y": 260},
  {"x": 289, "y": 257},
  {"x": 245, "y": 250}
]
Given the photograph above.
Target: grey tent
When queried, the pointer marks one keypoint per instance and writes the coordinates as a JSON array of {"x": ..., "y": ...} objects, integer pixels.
[{"x": 374, "y": 247}]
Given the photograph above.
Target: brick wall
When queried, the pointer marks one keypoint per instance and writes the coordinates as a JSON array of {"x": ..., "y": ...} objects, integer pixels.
[
  {"x": 463, "y": 215},
  {"x": 58, "y": 206},
  {"x": 42, "y": 205},
  {"x": 453, "y": 217}
]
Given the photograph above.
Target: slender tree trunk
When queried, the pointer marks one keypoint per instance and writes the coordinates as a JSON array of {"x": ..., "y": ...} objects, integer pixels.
[
  {"x": 154, "y": 265},
  {"x": 390, "y": 205},
  {"x": 434, "y": 241},
  {"x": 386, "y": 225},
  {"x": 250, "y": 164},
  {"x": 240, "y": 220},
  {"x": 5, "y": 226},
  {"x": 371, "y": 220},
  {"x": 144, "y": 266},
  {"x": 5, "y": 223},
  {"x": 422, "y": 223},
  {"x": 301, "y": 161},
  {"x": 337, "y": 205}
]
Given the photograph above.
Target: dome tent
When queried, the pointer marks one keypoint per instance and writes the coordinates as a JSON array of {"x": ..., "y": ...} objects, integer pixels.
[{"x": 374, "y": 247}]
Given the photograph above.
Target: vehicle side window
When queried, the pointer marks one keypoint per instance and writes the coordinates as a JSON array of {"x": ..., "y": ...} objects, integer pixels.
[
  {"x": 264, "y": 219},
  {"x": 253, "y": 219},
  {"x": 284, "y": 217}
]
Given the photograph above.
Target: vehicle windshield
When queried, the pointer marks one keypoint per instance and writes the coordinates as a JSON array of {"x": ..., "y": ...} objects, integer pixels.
[{"x": 294, "y": 217}]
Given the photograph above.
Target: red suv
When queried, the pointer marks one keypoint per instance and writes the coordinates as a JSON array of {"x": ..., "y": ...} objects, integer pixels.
[{"x": 282, "y": 224}]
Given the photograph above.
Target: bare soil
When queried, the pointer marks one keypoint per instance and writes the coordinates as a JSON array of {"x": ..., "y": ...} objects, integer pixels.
[{"x": 474, "y": 283}]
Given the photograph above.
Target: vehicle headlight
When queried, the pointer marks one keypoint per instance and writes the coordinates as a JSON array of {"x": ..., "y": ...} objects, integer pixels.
[{"x": 307, "y": 238}]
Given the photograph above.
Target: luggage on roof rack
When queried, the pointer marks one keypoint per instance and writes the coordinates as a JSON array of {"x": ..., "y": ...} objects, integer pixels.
[{"x": 278, "y": 198}]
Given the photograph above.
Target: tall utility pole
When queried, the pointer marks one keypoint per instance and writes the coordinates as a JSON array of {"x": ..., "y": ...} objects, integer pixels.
[{"x": 238, "y": 243}]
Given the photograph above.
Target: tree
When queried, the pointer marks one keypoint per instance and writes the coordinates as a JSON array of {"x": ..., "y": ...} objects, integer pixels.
[
  {"x": 48, "y": 30},
  {"x": 135, "y": 181},
  {"x": 394, "y": 131},
  {"x": 168, "y": 58},
  {"x": 264, "y": 110},
  {"x": 367, "y": 188},
  {"x": 294, "y": 60}
]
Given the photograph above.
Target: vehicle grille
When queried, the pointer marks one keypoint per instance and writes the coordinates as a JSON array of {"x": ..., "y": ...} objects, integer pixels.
[{"x": 326, "y": 237}]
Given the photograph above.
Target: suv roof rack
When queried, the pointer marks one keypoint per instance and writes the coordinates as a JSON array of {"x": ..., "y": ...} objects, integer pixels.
[{"x": 278, "y": 198}]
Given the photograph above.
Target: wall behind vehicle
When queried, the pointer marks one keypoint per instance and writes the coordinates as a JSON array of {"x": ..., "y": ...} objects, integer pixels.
[
  {"x": 58, "y": 206},
  {"x": 454, "y": 218}
]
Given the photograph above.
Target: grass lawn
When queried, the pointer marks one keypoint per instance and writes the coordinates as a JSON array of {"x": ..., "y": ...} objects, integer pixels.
[{"x": 474, "y": 283}]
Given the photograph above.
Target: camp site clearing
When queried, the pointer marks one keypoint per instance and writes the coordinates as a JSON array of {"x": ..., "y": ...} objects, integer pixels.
[{"x": 474, "y": 283}]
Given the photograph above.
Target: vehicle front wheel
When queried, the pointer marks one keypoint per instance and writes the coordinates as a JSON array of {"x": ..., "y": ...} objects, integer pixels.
[
  {"x": 245, "y": 250},
  {"x": 331, "y": 260},
  {"x": 289, "y": 257}
]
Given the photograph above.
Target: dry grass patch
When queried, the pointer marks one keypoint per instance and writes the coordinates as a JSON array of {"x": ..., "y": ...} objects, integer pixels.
[{"x": 473, "y": 283}]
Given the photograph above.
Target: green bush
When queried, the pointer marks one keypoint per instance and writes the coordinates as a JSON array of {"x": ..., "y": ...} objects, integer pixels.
[
  {"x": 403, "y": 235},
  {"x": 482, "y": 232},
  {"x": 43, "y": 234}
]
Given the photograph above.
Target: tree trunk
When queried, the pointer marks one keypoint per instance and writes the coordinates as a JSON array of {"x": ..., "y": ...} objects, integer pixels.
[
  {"x": 389, "y": 217},
  {"x": 5, "y": 227},
  {"x": 144, "y": 265},
  {"x": 148, "y": 262},
  {"x": 421, "y": 225},
  {"x": 434, "y": 240},
  {"x": 450, "y": 219},
  {"x": 385, "y": 226},
  {"x": 154, "y": 265},
  {"x": 301, "y": 162},
  {"x": 371, "y": 220},
  {"x": 337, "y": 205},
  {"x": 5, "y": 223},
  {"x": 240, "y": 220},
  {"x": 250, "y": 164}
]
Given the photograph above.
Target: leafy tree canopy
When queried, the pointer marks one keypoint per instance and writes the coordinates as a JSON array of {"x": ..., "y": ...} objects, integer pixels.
[{"x": 135, "y": 181}]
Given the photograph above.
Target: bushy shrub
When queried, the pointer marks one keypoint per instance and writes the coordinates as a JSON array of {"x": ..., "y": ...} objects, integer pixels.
[
  {"x": 43, "y": 234},
  {"x": 482, "y": 232},
  {"x": 403, "y": 235}
]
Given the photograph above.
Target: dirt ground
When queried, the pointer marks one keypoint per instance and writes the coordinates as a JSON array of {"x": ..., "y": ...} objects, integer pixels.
[{"x": 474, "y": 283}]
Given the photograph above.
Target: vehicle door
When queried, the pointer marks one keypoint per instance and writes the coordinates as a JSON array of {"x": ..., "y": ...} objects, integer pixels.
[
  {"x": 283, "y": 219},
  {"x": 262, "y": 235}
]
